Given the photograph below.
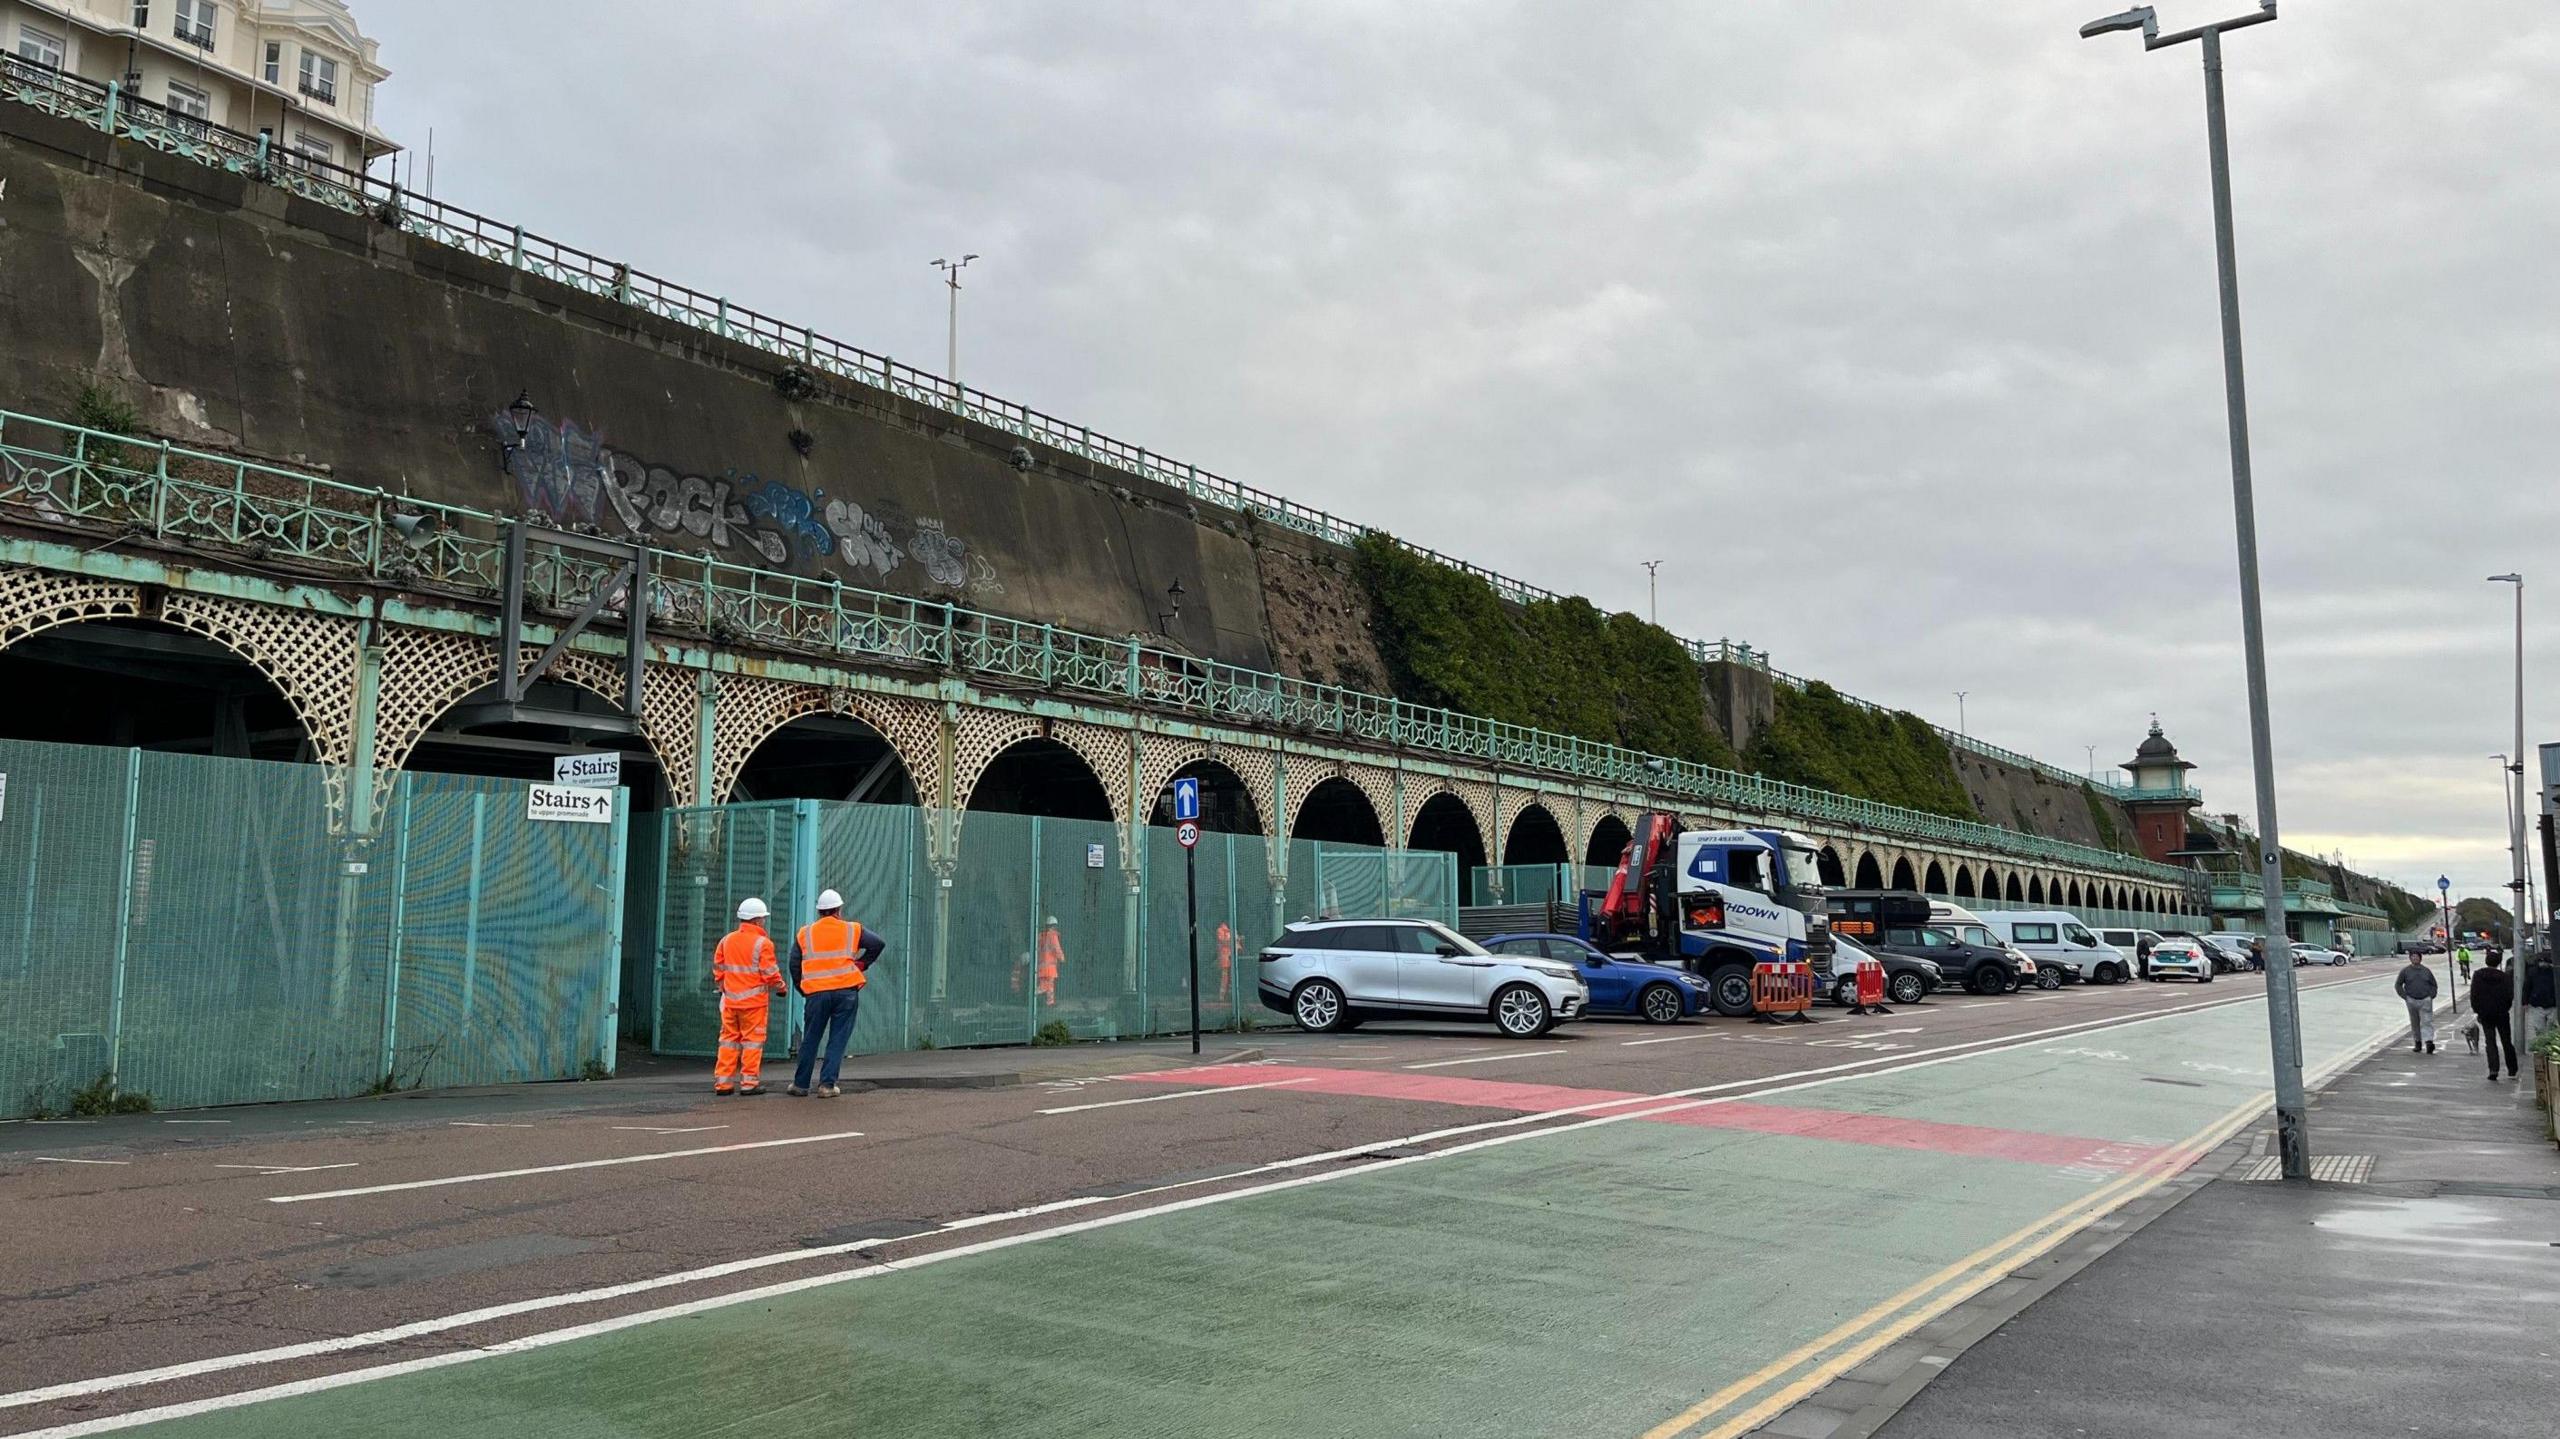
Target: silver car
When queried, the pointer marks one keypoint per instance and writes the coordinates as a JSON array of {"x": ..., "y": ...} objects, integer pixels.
[
  {"x": 1332, "y": 974},
  {"x": 2180, "y": 959}
]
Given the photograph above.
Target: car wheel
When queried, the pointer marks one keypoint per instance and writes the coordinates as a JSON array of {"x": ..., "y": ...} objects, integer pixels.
[
  {"x": 1909, "y": 989},
  {"x": 2109, "y": 974},
  {"x": 1522, "y": 1012},
  {"x": 2048, "y": 979},
  {"x": 2206, "y": 977},
  {"x": 1989, "y": 979},
  {"x": 1844, "y": 993},
  {"x": 1659, "y": 1004},
  {"x": 1319, "y": 1007},
  {"x": 1730, "y": 988}
]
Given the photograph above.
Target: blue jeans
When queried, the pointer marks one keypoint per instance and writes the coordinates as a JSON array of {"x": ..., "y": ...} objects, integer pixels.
[{"x": 828, "y": 1017}]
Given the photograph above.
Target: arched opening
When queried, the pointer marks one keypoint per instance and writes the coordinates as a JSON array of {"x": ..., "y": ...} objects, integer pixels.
[
  {"x": 2072, "y": 895},
  {"x": 1337, "y": 812},
  {"x": 1226, "y": 805},
  {"x": 1935, "y": 880},
  {"x": 1827, "y": 864},
  {"x": 1535, "y": 838},
  {"x": 1989, "y": 885},
  {"x": 825, "y": 756},
  {"x": 1609, "y": 841},
  {"x": 1043, "y": 777},
  {"x": 135, "y": 684},
  {"x": 482, "y": 734},
  {"x": 2012, "y": 892},
  {"x": 1870, "y": 874},
  {"x": 1964, "y": 882},
  {"x": 1902, "y": 875},
  {"x": 1444, "y": 823},
  {"x": 2035, "y": 890}
]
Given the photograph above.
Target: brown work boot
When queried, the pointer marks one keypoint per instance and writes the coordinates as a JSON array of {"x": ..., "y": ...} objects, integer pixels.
[
  {"x": 750, "y": 1091},
  {"x": 722, "y": 1089}
]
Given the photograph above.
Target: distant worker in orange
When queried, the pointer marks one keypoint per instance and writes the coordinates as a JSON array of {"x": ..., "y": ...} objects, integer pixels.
[
  {"x": 830, "y": 962},
  {"x": 1226, "y": 961},
  {"x": 1053, "y": 957},
  {"x": 744, "y": 971}
]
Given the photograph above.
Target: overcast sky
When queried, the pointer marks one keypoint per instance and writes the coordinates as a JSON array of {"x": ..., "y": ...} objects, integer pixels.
[{"x": 1889, "y": 327}]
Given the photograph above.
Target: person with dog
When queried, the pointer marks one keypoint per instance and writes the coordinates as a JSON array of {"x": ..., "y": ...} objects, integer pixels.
[{"x": 2493, "y": 996}]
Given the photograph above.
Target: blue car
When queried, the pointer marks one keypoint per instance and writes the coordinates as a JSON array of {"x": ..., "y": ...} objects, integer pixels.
[{"x": 1655, "y": 993}]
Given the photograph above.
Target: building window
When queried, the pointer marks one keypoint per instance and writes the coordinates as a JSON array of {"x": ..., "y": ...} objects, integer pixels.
[
  {"x": 275, "y": 62},
  {"x": 40, "y": 48},
  {"x": 312, "y": 147},
  {"x": 141, "y": 14},
  {"x": 195, "y": 22},
  {"x": 189, "y": 107},
  {"x": 320, "y": 78}
]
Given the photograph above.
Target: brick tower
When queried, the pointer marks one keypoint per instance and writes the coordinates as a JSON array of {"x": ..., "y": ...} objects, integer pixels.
[{"x": 2161, "y": 797}]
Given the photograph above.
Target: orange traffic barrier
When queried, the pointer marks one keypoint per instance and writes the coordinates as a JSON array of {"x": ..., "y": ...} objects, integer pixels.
[
  {"x": 1781, "y": 992},
  {"x": 1870, "y": 988}
]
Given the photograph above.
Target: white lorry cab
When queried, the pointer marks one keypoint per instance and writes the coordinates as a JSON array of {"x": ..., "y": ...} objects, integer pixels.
[{"x": 2053, "y": 936}]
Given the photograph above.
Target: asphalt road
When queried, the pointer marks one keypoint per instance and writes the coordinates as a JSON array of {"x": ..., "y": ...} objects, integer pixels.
[{"x": 1409, "y": 1229}]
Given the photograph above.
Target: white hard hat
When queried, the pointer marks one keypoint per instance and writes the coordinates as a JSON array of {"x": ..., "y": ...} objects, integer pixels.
[
  {"x": 829, "y": 899},
  {"x": 751, "y": 908}
]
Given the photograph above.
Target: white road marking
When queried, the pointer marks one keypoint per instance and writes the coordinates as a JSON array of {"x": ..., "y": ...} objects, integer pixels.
[
  {"x": 49, "y": 1159},
  {"x": 1485, "y": 1058},
  {"x": 195, "y": 1121},
  {"x": 479, "y": 1124},
  {"x": 1666, "y": 1039},
  {"x": 655, "y": 1129},
  {"x": 558, "y": 1168},
  {"x": 266, "y": 1169},
  {"x": 1178, "y": 1094},
  {"x": 1981, "y": 1003},
  {"x": 247, "y": 1359}
]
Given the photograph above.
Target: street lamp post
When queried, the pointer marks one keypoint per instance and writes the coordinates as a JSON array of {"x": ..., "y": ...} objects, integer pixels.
[
  {"x": 1652, "y": 596},
  {"x": 951, "y": 277},
  {"x": 2515, "y": 799},
  {"x": 2284, "y": 1020},
  {"x": 1960, "y": 729}
]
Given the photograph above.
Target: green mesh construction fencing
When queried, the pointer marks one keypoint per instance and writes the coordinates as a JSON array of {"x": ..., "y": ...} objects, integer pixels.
[
  {"x": 965, "y": 962},
  {"x": 191, "y": 927},
  {"x": 1536, "y": 883}
]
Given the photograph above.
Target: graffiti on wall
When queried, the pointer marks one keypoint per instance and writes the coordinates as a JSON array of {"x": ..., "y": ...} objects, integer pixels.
[{"x": 571, "y": 475}]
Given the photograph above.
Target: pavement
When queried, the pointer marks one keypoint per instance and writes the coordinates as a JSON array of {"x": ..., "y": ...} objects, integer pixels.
[
  {"x": 1413, "y": 1229},
  {"x": 2417, "y": 1295}
]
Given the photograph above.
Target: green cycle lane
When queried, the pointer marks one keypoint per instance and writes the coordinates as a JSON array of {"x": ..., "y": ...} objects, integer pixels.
[{"x": 1596, "y": 1281}]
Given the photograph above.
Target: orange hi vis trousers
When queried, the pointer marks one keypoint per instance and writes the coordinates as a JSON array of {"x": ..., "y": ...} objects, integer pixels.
[{"x": 741, "y": 1045}]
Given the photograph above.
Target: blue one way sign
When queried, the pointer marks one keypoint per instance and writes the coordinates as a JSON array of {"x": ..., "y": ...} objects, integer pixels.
[{"x": 1186, "y": 798}]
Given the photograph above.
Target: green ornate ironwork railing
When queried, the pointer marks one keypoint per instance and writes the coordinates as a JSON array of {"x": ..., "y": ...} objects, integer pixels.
[
  {"x": 107, "y": 107},
  {"x": 64, "y": 475}
]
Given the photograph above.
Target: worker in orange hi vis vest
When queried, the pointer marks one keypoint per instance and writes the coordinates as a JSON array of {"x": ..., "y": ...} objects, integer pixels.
[
  {"x": 743, "y": 969},
  {"x": 1053, "y": 957},
  {"x": 1226, "y": 961},
  {"x": 830, "y": 962}
]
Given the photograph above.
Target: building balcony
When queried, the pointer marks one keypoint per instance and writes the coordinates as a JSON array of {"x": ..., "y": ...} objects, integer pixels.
[
  {"x": 201, "y": 39},
  {"x": 325, "y": 94}
]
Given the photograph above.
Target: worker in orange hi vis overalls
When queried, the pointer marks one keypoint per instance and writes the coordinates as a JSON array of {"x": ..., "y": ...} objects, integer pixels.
[
  {"x": 1226, "y": 961},
  {"x": 743, "y": 969},
  {"x": 1053, "y": 956}
]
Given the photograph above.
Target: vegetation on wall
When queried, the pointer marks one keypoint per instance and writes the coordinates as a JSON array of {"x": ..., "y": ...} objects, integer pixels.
[
  {"x": 2480, "y": 912},
  {"x": 1820, "y": 738},
  {"x": 2105, "y": 819},
  {"x": 1558, "y": 665}
]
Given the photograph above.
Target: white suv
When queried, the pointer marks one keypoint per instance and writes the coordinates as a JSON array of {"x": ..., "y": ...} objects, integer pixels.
[{"x": 1332, "y": 974}]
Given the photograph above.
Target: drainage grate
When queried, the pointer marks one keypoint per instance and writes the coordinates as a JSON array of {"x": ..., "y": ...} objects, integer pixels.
[{"x": 2327, "y": 1168}]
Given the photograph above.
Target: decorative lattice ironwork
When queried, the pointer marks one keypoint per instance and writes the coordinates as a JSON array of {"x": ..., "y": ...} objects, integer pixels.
[
  {"x": 1107, "y": 751},
  {"x": 424, "y": 673},
  {"x": 33, "y": 601},
  {"x": 310, "y": 658}
]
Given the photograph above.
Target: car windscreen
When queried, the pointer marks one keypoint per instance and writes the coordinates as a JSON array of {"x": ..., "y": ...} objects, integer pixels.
[{"x": 1438, "y": 936}]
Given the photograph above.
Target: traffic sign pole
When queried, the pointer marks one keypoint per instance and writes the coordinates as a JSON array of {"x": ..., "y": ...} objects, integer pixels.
[{"x": 1186, "y": 829}]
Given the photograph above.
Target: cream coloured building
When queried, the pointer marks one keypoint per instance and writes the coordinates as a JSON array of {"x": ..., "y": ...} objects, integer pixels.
[{"x": 298, "y": 70}]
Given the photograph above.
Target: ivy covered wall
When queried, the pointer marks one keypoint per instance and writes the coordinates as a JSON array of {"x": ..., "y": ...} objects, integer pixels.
[
  {"x": 1820, "y": 738},
  {"x": 1558, "y": 665}
]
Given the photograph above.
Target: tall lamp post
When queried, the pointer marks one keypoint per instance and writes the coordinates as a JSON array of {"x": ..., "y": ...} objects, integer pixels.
[
  {"x": 1960, "y": 729},
  {"x": 1652, "y": 597},
  {"x": 2284, "y": 1019},
  {"x": 2515, "y": 800},
  {"x": 951, "y": 277}
]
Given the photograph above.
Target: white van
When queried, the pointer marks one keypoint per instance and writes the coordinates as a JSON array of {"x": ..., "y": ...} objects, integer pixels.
[
  {"x": 2135, "y": 942},
  {"x": 2052, "y": 936}
]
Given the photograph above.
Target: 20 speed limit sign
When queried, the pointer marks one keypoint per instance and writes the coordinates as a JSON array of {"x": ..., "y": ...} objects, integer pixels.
[{"x": 1188, "y": 832}]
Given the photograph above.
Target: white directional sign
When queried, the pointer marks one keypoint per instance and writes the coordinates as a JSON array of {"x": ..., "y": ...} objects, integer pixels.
[
  {"x": 1187, "y": 832},
  {"x": 1186, "y": 798},
  {"x": 570, "y": 803},
  {"x": 593, "y": 771}
]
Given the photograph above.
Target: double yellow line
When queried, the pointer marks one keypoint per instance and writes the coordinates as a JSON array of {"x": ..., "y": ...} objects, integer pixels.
[{"x": 1866, "y": 1333}]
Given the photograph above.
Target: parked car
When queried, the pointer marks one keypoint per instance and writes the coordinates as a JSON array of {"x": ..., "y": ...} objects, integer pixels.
[
  {"x": 2135, "y": 942},
  {"x": 1334, "y": 974},
  {"x": 1964, "y": 926},
  {"x": 2223, "y": 961},
  {"x": 2232, "y": 946},
  {"x": 2057, "y": 937},
  {"x": 2180, "y": 959},
  {"x": 1655, "y": 993},
  {"x": 1907, "y": 978},
  {"x": 2312, "y": 954},
  {"x": 1981, "y": 968}
]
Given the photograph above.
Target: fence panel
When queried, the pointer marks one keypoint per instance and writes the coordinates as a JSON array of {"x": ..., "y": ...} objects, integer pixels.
[
  {"x": 709, "y": 860},
  {"x": 62, "y": 847},
  {"x": 873, "y": 856}
]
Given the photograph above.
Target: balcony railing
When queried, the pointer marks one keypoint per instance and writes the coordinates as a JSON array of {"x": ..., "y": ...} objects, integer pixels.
[
  {"x": 435, "y": 221},
  {"x": 200, "y": 36},
  {"x": 325, "y": 94},
  {"x": 60, "y": 476}
]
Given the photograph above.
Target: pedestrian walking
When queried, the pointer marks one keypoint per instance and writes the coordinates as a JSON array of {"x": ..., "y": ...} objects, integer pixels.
[
  {"x": 2258, "y": 955},
  {"x": 830, "y": 962},
  {"x": 1226, "y": 962},
  {"x": 1053, "y": 957},
  {"x": 2416, "y": 987},
  {"x": 743, "y": 970},
  {"x": 2492, "y": 996}
]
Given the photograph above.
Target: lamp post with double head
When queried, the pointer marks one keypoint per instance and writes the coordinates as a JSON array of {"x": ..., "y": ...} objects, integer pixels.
[
  {"x": 2515, "y": 798},
  {"x": 2284, "y": 1020}
]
